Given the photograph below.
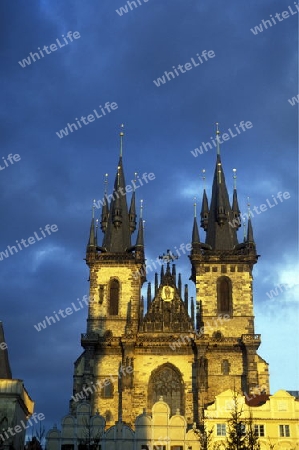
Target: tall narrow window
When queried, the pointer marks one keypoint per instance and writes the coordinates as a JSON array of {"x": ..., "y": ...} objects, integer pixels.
[
  {"x": 225, "y": 366},
  {"x": 114, "y": 297},
  {"x": 224, "y": 295}
]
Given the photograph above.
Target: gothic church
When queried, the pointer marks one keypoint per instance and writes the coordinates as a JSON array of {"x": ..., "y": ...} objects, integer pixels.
[{"x": 170, "y": 350}]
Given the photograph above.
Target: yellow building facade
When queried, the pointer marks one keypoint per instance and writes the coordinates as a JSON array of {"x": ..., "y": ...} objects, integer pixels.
[{"x": 275, "y": 420}]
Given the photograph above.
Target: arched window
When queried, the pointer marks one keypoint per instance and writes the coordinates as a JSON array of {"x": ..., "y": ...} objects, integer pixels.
[
  {"x": 114, "y": 297},
  {"x": 166, "y": 381},
  {"x": 225, "y": 367},
  {"x": 224, "y": 295}
]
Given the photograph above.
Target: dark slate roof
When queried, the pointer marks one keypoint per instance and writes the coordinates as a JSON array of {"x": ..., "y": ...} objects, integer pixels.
[
  {"x": 117, "y": 237},
  {"x": 220, "y": 234}
]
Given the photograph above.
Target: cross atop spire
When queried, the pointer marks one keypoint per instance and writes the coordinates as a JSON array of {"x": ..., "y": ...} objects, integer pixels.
[
  {"x": 217, "y": 138},
  {"x": 105, "y": 183},
  {"x": 121, "y": 134},
  {"x": 235, "y": 178}
]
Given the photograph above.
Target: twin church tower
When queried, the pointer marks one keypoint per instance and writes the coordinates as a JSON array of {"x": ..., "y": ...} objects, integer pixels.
[{"x": 136, "y": 352}]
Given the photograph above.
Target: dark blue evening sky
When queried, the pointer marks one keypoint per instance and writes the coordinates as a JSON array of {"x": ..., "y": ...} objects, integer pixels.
[{"x": 116, "y": 58}]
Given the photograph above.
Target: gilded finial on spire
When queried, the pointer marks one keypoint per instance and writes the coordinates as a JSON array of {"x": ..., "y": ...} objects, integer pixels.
[
  {"x": 235, "y": 178},
  {"x": 248, "y": 208},
  {"x": 204, "y": 178},
  {"x": 135, "y": 180},
  {"x": 121, "y": 138},
  {"x": 141, "y": 208},
  {"x": 217, "y": 138},
  {"x": 105, "y": 183},
  {"x": 194, "y": 204},
  {"x": 93, "y": 207}
]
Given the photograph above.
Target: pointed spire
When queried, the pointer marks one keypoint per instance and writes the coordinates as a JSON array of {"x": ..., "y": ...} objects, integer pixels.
[
  {"x": 5, "y": 371},
  {"x": 186, "y": 296},
  {"x": 91, "y": 246},
  {"x": 180, "y": 285},
  {"x": 244, "y": 231},
  {"x": 195, "y": 232},
  {"x": 235, "y": 205},
  {"x": 156, "y": 283},
  {"x": 162, "y": 274},
  {"x": 221, "y": 234},
  {"x": 132, "y": 211},
  {"x": 250, "y": 238},
  {"x": 117, "y": 212},
  {"x": 105, "y": 207},
  {"x": 149, "y": 296},
  {"x": 117, "y": 237},
  {"x": 204, "y": 214},
  {"x": 140, "y": 239},
  {"x": 174, "y": 273}
]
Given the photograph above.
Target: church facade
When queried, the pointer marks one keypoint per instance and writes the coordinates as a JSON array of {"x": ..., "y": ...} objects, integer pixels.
[{"x": 138, "y": 353}]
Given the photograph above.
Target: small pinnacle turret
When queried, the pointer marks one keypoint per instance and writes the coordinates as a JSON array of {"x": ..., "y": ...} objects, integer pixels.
[
  {"x": 250, "y": 239},
  {"x": 105, "y": 208},
  {"x": 221, "y": 235},
  {"x": 195, "y": 232},
  {"x": 235, "y": 205},
  {"x": 204, "y": 211},
  {"x": 92, "y": 241},
  {"x": 132, "y": 214}
]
